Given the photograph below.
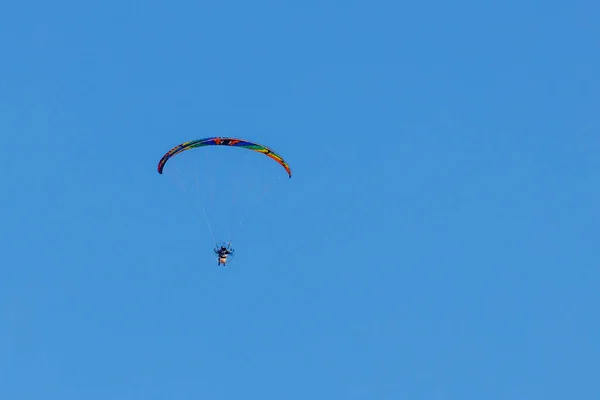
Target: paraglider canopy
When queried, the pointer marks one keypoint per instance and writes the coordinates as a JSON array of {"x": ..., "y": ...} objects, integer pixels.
[{"x": 223, "y": 141}]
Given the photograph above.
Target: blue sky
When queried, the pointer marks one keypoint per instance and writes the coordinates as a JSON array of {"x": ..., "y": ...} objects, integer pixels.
[{"x": 438, "y": 240}]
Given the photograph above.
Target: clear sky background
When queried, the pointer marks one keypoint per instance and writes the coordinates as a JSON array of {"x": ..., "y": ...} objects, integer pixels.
[{"x": 438, "y": 240}]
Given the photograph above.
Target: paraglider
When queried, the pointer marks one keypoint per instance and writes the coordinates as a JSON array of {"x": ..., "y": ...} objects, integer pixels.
[{"x": 223, "y": 251}]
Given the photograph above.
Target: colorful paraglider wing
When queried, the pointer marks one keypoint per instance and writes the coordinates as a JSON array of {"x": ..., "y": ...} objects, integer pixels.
[{"x": 223, "y": 141}]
